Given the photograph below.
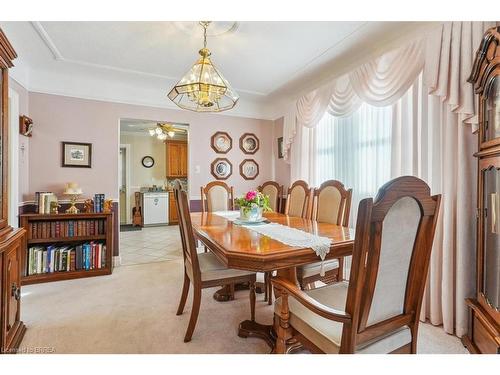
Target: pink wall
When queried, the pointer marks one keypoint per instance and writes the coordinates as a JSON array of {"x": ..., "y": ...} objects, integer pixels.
[{"x": 60, "y": 118}]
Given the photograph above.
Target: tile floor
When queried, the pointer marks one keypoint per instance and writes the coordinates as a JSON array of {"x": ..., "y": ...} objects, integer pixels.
[{"x": 151, "y": 244}]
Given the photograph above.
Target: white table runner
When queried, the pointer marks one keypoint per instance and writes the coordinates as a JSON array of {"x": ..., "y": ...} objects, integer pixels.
[{"x": 287, "y": 235}]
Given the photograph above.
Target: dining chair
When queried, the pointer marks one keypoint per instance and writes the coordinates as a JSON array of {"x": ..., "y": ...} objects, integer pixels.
[
  {"x": 378, "y": 310},
  {"x": 298, "y": 200},
  {"x": 217, "y": 196},
  {"x": 275, "y": 193},
  {"x": 331, "y": 204},
  {"x": 203, "y": 270}
]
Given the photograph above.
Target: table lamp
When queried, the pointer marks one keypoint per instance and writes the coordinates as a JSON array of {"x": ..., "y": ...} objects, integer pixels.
[{"x": 74, "y": 191}]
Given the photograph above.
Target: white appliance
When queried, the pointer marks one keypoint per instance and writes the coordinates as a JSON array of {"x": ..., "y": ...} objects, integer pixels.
[{"x": 155, "y": 208}]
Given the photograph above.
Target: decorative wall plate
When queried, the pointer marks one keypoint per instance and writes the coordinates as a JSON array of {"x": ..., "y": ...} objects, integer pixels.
[
  {"x": 221, "y": 142},
  {"x": 249, "y": 143},
  {"x": 249, "y": 169},
  {"x": 221, "y": 168}
]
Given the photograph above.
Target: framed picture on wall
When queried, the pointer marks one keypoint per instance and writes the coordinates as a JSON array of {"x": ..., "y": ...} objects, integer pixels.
[
  {"x": 249, "y": 169},
  {"x": 76, "y": 155},
  {"x": 249, "y": 143},
  {"x": 280, "y": 148},
  {"x": 221, "y": 168}
]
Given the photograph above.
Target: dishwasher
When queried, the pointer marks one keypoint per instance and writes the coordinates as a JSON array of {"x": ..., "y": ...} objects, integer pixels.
[{"x": 155, "y": 208}]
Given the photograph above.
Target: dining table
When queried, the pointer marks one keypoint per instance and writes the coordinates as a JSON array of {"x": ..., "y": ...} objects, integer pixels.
[{"x": 238, "y": 246}]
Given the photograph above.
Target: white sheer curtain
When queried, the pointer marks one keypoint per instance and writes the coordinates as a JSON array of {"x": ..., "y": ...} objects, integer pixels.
[
  {"x": 432, "y": 124},
  {"x": 355, "y": 150}
]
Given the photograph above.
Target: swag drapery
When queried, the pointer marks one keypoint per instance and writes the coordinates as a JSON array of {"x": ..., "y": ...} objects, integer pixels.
[{"x": 434, "y": 116}]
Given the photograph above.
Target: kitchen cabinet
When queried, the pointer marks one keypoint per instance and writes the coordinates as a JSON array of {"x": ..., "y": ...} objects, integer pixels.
[
  {"x": 172, "y": 210},
  {"x": 177, "y": 159}
]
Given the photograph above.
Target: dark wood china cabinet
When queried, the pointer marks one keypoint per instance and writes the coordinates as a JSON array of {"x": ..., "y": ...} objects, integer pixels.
[
  {"x": 484, "y": 325},
  {"x": 12, "y": 241}
]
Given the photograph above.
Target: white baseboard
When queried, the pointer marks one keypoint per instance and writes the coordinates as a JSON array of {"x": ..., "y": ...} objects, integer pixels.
[{"x": 117, "y": 261}]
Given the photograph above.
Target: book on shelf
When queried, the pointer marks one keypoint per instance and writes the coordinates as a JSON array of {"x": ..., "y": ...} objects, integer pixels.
[
  {"x": 50, "y": 259},
  {"x": 99, "y": 203},
  {"x": 43, "y": 200},
  {"x": 67, "y": 228}
]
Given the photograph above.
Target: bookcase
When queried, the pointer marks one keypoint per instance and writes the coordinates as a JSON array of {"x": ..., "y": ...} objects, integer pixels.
[{"x": 53, "y": 233}]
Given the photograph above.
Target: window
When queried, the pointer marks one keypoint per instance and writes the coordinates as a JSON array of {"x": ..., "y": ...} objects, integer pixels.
[{"x": 355, "y": 150}]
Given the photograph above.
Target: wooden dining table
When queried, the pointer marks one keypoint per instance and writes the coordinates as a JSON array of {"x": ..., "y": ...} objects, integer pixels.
[{"x": 242, "y": 248}]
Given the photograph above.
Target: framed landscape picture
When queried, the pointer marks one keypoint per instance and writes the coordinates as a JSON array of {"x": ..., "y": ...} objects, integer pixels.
[{"x": 75, "y": 154}]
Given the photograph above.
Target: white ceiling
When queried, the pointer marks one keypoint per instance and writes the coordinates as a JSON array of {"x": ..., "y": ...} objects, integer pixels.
[{"x": 138, "y": 62}]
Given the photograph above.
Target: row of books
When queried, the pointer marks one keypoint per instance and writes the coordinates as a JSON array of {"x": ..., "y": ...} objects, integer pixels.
[
  {"x": 67, "y": 228},
  {"x": 87, "y": 256},
  {"x": 99, "y": 203},
  {"x": 43, "y": 200}
]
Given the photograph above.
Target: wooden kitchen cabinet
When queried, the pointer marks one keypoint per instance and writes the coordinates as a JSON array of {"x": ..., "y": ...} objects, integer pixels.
[
  {"x": 177, "y": 159},
  {"x": 172, "y": 209}
]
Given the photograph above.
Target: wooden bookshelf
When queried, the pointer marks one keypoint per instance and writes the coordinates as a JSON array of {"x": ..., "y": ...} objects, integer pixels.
[{"x": 48, "y": 238}]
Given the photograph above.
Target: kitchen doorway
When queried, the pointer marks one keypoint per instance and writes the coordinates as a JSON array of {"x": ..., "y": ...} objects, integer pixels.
[{"x": 153, "y": 155}]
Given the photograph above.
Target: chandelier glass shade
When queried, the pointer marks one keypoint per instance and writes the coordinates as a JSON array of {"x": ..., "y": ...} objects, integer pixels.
[{"x": 203, "y": 88}]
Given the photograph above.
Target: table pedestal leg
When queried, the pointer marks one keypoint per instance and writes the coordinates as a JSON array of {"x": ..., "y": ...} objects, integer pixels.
[
  {"x": 249, "y": 328},
  {"x": 226, "y": 293}
]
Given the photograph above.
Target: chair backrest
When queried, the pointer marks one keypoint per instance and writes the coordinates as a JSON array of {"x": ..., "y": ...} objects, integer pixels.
[
  {"x": 298, "y": 199},
  {"x": 187, "y": 237},
  {"x": 393, "y": 243},
  {"x": 332, "y": 203},
  {"x": 275, "y": 193},
  {"x": 217, "y": 196}
]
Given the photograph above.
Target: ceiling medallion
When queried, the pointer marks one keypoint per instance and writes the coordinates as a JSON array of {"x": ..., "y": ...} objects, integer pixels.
[{"x": 203, "y": 88}]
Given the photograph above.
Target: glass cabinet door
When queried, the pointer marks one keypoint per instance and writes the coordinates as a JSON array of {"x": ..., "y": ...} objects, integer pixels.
[
  {"x": 492, "y": 112},
  {"x": 491, "y": 244}
]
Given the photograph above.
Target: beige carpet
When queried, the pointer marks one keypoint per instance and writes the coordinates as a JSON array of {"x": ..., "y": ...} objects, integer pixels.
[{"x": 133, "y": 311}]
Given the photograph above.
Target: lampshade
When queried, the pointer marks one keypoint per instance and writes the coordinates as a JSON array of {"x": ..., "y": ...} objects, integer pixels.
[
  {"x": 72, "y": 189},
  {"x": 203, "y": 88}
]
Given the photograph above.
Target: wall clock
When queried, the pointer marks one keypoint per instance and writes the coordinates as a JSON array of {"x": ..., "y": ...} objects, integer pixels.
[
  {"x": 148, "y": 161},
  {"x": 221, "y": 168},
  {"x": 221, "y": 142},
  {"x": 249, "y": 169},
  {"x": 249, "y": 143}
]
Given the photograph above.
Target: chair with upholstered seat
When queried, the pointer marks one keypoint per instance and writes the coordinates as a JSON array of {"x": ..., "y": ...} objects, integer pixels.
[
  {"x": 275, "y": 193},
  {"x": 217, "y": 196},
  {"x": 331, "y": 204},
  {"x": 298, "y": 200},
  {"x": 203, "y": 270},
  {"x": 378, "y": 310}
]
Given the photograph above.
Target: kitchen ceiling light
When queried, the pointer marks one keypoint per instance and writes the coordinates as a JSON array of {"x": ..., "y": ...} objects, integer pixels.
[{"x": 203, "y": 88}]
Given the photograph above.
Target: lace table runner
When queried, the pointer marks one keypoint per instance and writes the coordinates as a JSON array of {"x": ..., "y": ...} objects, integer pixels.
[{"x": 287, "y": 235}]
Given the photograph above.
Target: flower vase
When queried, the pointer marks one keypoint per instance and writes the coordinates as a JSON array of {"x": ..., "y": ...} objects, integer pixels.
[{"x": 251, "y": 214}]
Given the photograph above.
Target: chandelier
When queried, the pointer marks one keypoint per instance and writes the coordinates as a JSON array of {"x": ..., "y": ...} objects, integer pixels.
[
  {"x": 203, "y": 88},
  {"x": 164, "y": 131}
]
